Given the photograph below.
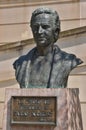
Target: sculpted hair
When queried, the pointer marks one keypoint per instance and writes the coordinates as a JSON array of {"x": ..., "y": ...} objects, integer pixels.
[{"x": 53, "y": 13}]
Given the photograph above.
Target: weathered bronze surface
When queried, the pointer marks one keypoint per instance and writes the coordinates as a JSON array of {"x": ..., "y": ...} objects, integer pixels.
[
  {"x": 46, "y": 65},
  {"x": 33, "y": 110}
]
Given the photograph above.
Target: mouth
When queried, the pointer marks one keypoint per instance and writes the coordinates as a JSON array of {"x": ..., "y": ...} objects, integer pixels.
[{"x": 41, "y": 39}]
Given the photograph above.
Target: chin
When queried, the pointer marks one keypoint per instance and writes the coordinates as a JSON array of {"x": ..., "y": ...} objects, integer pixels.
[{"x": 42, "y": 44}]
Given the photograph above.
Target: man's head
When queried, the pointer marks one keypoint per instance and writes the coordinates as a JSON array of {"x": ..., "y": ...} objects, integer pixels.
[{"x": 45, "y": 26}]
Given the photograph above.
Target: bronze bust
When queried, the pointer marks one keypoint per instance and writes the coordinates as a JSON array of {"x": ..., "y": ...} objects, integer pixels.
[{"x": 46, "y": 65}]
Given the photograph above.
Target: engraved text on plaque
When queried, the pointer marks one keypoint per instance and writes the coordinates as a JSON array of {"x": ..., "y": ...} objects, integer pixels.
[{"x": 33, "y": 110}]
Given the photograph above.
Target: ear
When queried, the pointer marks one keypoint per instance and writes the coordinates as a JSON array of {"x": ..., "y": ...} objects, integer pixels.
[{"x": 56, "y": 33}]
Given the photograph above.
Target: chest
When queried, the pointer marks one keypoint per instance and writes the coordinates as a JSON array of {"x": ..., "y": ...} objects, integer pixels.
[
  {"x": 40, "y": 69},
  {"x": 44, "y": 68}
]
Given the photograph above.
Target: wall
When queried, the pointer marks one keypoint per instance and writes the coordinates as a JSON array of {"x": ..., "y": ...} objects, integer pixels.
[
  {"x": 14, "y": 30},
  {"x": 15, "y": 16},
  {"x": 72, "y": 41}
]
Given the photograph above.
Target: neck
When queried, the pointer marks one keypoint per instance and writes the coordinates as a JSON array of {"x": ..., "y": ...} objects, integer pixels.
[{"x": 44, "y": 50}]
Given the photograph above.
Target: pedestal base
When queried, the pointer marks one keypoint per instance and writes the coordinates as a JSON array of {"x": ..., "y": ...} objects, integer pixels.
[{"x": 68, "y": 115}]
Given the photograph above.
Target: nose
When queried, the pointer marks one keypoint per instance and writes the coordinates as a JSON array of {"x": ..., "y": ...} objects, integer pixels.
[{"x": 40, "y": 30}]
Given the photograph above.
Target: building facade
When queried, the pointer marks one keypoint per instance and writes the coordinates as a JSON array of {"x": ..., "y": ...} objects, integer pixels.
[{"x": 16, "y": 39}]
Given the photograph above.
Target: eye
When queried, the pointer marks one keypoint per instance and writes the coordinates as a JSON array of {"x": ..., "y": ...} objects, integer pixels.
[
  {"x": 45, "y": 26},
  {"x": 35, "y": 27}
]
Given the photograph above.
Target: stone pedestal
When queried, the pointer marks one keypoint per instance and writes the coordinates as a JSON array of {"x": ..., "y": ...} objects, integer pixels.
[{"x": 68, "y": 110}]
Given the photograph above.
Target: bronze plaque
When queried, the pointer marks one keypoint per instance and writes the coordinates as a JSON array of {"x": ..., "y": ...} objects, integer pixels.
[{"x": 33, "y": 110}]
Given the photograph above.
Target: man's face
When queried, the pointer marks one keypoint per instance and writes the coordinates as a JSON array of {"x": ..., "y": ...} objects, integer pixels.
[{"x": 43, "y": 29}]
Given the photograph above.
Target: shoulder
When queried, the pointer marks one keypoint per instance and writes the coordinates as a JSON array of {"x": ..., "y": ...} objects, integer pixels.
[
  {"x": 73, "y": 59},
  {"x": 69, "y": 59},
  {"x": 23, "y": 58},
  {"x": 64, "y": 55}
]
